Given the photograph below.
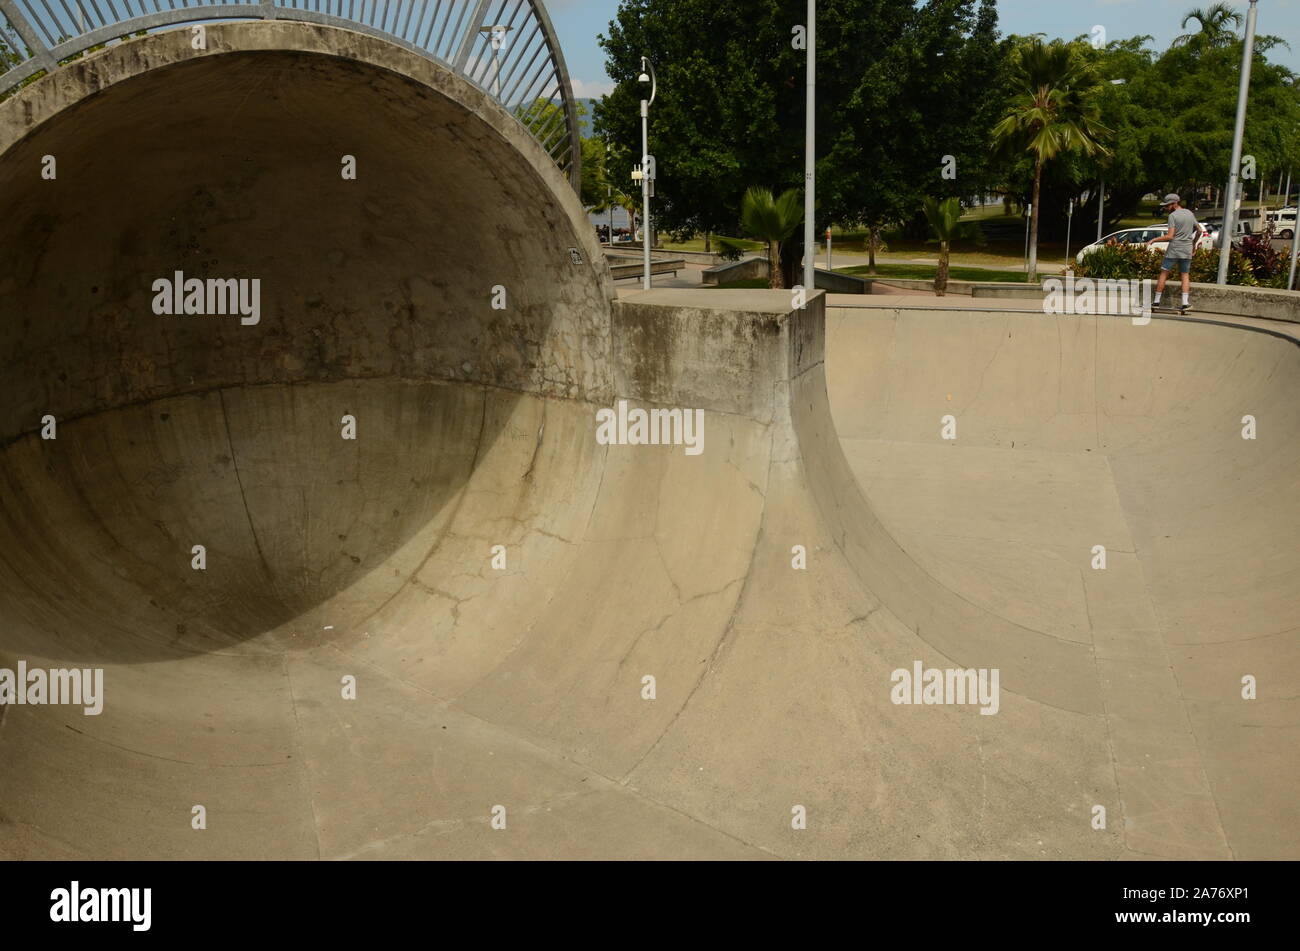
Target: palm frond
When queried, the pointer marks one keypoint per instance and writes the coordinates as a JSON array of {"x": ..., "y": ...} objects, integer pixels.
[{"x": 771, "y": 219}]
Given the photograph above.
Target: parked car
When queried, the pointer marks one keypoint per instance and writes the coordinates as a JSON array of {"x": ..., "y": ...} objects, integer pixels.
[
  {"x": 1240, "y": 230},
  {"x": 1140, "y": 235}
]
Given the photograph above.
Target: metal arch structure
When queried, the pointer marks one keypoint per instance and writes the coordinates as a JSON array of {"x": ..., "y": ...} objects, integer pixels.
[{"x": 521, "y": 66}]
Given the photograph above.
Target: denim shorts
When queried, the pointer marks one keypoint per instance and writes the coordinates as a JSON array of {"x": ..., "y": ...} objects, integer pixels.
[{"x": 1181, "y": 265}]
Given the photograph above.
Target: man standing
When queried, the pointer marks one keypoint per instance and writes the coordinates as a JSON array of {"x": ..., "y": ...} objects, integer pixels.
[{"x": 1181, "y": 236}]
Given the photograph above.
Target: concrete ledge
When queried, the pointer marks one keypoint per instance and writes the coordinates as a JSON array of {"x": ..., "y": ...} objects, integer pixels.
[
  {"x": 720, "y": 352},
  {"x": 1233, "y": 300},
  {"x": 1013, "y": 291},
  {"x": 1229, "y": 301},
  {"x": 1247, "y": 302},
  {"x": 625, "y": 266},
  {"x": 835, "y": 283},
  {"x": 695, "y": 257},
  {"x": 967, "y": 288},
  {"x": 747, "y": 270}
]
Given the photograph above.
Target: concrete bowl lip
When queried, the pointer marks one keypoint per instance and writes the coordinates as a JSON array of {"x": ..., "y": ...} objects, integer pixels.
[{"x": 23, "y": 113}]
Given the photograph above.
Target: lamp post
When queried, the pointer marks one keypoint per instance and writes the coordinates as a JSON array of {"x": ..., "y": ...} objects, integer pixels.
[
  {"x": 646, "y": 171},
  {"x": 1101, "y": 206},
  {"x": 1069, "y": 223},
  {"x": 609, "y": 195},
  {"x": 1101, "y": 192},
  {"x": 1295, "y": 237},
  {"x": 1234, "y": 170},
  {"x": 1295, "y": 232},
  {"x": 497, "y": 33},
  {"x": 810, "y": 159},
  {"x": 1029, "y": 213}
]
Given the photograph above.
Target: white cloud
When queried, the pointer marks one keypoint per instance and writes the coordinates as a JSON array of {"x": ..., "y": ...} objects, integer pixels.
[{"x": 584, "y": 89}]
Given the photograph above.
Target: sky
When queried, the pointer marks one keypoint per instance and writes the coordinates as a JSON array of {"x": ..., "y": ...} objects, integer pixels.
[{"x": 579, "y": 22}]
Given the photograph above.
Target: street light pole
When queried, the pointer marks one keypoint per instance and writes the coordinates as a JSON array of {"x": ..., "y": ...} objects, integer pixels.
[
  {"x": 810, "y": 158},
  {"x": 609, "y": 195},
  {"x": 1029, "y": 211},
  {"x": 1243, "y": 93},
  {"x": 497, "y": 34},
  {"x": 1069, "y": 223},
  {"x": 1295, "y": 237},
  {"x": 1295, "y": 233},
  {"x": 647, "y": 163},
  {"x": 1101, "y": 206}
]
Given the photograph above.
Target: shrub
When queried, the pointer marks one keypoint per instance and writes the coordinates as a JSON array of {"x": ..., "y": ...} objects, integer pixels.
[
  {"x": 1205, "y": 267},
  {"x": 1124, "y": 262},
  {"x": 1265, "y": 263},
  {"x": 1251, "y": 265}
]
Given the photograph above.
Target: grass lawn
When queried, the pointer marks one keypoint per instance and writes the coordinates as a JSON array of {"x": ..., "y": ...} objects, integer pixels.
[
  {"x": 697, "y": 244},
  {"x": 984, "y": 211},
  {"x": 926, "y": 272},
  {"x": 993, "y": 253}
]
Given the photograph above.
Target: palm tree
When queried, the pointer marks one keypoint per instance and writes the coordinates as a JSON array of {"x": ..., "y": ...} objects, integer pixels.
[
  {"x": 1053, "y": 111},
  {"x": 1212, "y": 26},
  {"x": 616, "y": 197},
  {"x": 943, "y": 217},
  {"x": 772, "y": 220}
]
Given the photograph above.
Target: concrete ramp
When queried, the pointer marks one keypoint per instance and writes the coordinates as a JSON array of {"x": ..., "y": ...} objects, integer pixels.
[
  {"x": 476, "y": 630},
  {"x": 520, "y": 691},
  {"x": 1073, "y": 433}
]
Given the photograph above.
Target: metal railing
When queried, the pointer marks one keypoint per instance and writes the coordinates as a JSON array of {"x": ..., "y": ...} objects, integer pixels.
[{"x": 507, "y": 48}]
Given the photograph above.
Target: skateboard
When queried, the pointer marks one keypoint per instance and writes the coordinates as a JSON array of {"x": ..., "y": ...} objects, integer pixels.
[{"x": 1165, "y": 309}]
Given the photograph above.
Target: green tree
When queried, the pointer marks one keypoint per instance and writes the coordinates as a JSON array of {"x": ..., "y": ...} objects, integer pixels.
[
  {"x": 944, "y": 217},
  {"x": 728, "y": 110},
  {"x": 1173, "y": 122},
  {"x": 601, "y": 192},
  {"x": 772, "y": 220},
  {"x": 9, "y": 57},
  {"x": 543, "y": 117},
  {"x": 1213, "y": 28},
  {"x": 1052, "y": 112},
  {"x": 12, "y": 53},
  {"x": 594, "y": 188},
  {"x": 925, "y": 80},
  {"x": 901, "y": 83}
]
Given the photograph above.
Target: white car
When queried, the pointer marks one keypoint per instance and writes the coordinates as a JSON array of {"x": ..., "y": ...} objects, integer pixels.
[{"x": 1141, "y": 235}]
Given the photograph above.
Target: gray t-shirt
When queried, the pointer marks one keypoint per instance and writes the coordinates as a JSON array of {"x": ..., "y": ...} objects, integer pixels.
[{"x": 1185, "y": 232}]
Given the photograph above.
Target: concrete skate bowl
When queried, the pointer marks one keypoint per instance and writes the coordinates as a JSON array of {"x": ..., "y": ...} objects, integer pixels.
[
  {"x": 376, "y": 302},
  {"x": 561, "y": 649},
  {"x": 1073, "y": 433}
]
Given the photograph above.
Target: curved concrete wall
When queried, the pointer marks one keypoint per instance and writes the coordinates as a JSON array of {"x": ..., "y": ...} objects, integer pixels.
[
  {"x": 227, "y": 163},
  {"x": 375, "y": 294}
]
